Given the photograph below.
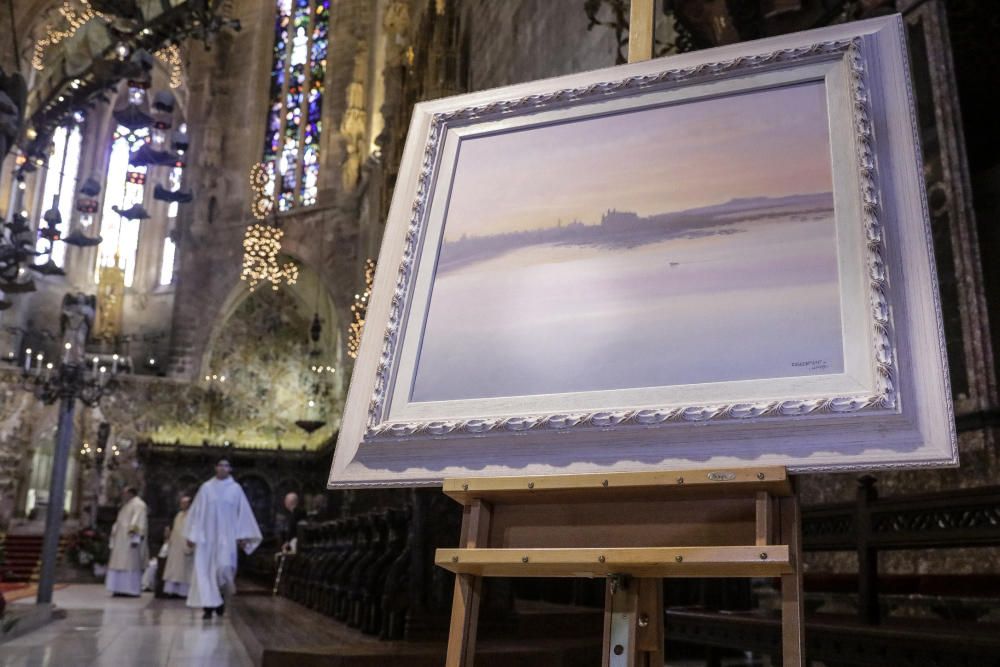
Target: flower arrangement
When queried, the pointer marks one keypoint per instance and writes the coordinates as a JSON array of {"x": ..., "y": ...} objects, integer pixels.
[{"x": 89, "y": 547}]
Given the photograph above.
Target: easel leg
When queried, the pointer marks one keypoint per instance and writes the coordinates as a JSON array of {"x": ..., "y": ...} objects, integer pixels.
[
  {"x": 792, "y": 617},
  {"x": 621, "y": 610},
  {"x": 468, "y": 589},
  {"x": 649, "y": 634},
  {"x": 633, "y": 622},
  {"x": 464, "y": 621}
]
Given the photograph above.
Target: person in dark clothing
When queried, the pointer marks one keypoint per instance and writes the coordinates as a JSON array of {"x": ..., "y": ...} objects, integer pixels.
[{"x": 292, "y": 514}]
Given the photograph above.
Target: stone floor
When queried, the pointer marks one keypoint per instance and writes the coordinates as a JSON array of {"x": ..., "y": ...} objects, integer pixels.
[{"x": 102, "y": 631}]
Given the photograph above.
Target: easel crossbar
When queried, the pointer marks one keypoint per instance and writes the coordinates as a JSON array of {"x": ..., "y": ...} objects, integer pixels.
[
  {"x": 714, "y": 482},
  {"x": 733, "y": 561}
]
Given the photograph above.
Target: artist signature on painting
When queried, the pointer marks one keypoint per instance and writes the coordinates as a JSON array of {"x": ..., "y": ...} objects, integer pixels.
[{"x": 812, "y": 365}]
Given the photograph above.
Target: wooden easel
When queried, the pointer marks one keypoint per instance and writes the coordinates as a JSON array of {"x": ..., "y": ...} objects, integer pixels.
[{"x": 634, "y": 529}]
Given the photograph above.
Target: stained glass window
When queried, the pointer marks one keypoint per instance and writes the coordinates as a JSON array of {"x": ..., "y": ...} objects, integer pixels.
[
  {"x": 291, "y": 141},
  {"x": 167, "y": 263},
  {"x": 126, "y": 184},
  {"x": 174, "y": 184},
  {"x": 60, "y": 180}
]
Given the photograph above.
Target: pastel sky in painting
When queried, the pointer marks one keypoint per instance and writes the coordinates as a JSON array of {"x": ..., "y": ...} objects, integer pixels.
[{"x": 758, "y": 144}]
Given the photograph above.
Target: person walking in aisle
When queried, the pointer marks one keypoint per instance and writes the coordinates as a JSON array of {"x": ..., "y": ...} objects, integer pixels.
[{"x": 219, "y": 522}]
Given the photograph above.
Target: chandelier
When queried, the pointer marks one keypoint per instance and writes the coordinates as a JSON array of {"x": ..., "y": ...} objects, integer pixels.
[
  {"x": 261, "y": 246},
  {"x": 359, "y": 309},
  {"x": 262, "y": 240}
]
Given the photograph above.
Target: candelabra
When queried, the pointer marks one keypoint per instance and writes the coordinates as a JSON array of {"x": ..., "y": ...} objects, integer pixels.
[
  {"x": 69, "y": 380},
  {"x": 215, "y": 394},
  {"x": 66, "y": 382}
]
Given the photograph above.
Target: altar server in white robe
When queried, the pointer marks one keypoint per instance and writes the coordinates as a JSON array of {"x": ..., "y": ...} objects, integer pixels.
[
  {"x": 129, "y": 550},
  {"x": 219, "y": 522},
  {"x": 180, "y": 557}
]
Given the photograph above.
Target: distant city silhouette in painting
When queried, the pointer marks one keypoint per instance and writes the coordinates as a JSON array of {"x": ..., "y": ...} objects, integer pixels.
[{"x": 684, "y": 244}]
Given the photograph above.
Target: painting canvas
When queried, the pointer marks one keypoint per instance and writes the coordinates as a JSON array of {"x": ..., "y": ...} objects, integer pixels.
[
  {"x": 720, "y": 258},
  {"x": 644, "y": 238}
]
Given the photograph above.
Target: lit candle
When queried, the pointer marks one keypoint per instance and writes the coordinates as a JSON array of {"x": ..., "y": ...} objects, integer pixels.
[
  {"x": 114, "y": 363},
  {"x": 27, "y": 360},
  {"x": 95, "y": 365},
  {"x": 67, "y": 347}
]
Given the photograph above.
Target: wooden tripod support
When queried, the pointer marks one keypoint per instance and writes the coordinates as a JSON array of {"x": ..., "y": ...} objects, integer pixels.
[{"x": 634, "y": 529}]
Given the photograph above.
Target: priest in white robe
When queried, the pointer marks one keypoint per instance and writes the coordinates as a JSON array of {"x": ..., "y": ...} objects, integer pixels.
[
  {"x": 180, "y": 557},
  {"x": 129, "y": 550},
  {"x": 219, "y": 522}
]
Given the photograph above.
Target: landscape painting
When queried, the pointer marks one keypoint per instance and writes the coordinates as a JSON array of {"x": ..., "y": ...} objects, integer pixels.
[{"x": 683, "y": 244}]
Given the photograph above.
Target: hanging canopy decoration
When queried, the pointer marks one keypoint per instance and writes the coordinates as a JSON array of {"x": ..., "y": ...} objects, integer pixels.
[
  {"x": 132, "y": 117},
  {"x": 127, "y": 56},
  {"x": 134, "y": 212},
  {"x": 147, "y": 156},
  {"x": 182, "y": 196},
  {"x": 80, "y": 240}
]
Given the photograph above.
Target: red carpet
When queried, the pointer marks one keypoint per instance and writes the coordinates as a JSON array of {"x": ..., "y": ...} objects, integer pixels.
[{"x": 15, "y": 590}]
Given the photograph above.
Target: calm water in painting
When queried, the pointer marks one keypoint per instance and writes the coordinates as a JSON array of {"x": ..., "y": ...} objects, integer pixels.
[{"x": 679, "y": 245}]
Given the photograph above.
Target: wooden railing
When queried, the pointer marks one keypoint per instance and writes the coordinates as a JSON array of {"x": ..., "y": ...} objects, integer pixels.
[{"x": 944, "y": 520}]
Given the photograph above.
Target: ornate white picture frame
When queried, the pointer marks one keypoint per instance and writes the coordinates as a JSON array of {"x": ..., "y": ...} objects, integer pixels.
[{"x": 447, "y": 383}]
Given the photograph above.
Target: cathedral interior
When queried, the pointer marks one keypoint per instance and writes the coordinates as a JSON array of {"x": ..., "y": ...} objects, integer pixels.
[{"x": 228, "y": 292}]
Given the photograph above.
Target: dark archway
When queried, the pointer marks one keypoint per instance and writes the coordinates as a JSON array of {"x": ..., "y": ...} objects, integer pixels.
[{"x": 261, "y": 501}]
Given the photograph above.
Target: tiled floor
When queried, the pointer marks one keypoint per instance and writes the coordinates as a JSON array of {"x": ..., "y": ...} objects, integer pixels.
[{"x": 102, "y": 631}]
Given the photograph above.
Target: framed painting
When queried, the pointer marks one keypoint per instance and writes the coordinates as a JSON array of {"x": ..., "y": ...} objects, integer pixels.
[{"x": 720, "y": 258}]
